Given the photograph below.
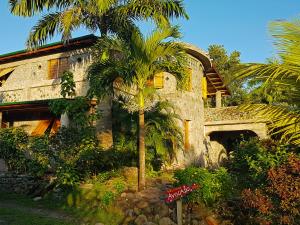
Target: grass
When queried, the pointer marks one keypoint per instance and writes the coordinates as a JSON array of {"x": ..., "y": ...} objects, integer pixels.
[
  {"x": 22, "y": 210},
  {"x": 10, "y": 216}
]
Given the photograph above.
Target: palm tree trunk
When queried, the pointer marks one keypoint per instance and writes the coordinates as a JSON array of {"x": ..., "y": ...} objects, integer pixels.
[{"x": 141, "y": 179}]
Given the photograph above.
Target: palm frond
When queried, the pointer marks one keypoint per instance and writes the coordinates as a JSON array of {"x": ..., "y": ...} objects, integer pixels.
[
  {"x": 152, "y": 8},
  {"x": 44, "y": 29},
  {"x": 283, "y": 120},
  {"x": 28, "y": 8}
]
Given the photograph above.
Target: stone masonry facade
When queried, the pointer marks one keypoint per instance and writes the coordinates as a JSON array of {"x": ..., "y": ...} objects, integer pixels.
[{"x": 29, "y": 82}]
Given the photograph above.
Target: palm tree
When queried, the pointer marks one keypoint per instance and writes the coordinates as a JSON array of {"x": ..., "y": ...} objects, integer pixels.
[
  {"x": 106, "y": 16},
  {"x": 282, "y": 76},
  {"x": 124, "y": 67},
  {"x": 163, "y": 135}
]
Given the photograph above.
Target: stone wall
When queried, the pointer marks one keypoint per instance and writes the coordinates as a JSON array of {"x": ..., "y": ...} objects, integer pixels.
[
  {"x": 226, "y": 113},
  {"x": 21, "y": 184},
  {"x": 29, "y": 80},
  {"x": 189, "y": 106}
]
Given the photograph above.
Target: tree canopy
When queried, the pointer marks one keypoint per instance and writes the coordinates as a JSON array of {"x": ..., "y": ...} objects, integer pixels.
[
  {"x": 226, "y": 64},
  {"x": 106, "y": 16},
  {"x": 281, "y": 75}
]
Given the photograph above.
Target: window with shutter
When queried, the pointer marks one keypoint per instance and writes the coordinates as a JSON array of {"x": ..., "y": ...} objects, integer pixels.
[
  {"x": 63, "y": 66},
  {"x": 159, "y": 80},
  {"x": 56, "y": 67},
  {"x": 52, "y": 69},
  {"x": 204, "y": 88}
]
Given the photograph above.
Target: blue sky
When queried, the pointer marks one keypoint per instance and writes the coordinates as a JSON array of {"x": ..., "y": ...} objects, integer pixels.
[{"x": 237, "y": 24}]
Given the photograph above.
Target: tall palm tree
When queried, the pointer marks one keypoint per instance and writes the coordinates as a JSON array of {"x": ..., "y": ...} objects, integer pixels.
[
  {"x": 106, "y": 16},
  {"x": 283, "y": 76},
  {"x": 126, "y": 66},
  {"x": 163, "y": 135}
]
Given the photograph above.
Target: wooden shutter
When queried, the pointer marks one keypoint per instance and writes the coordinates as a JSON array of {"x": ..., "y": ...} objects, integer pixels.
[
  {"x": 53, "y": 65},
  {"x": 204, "y": 88},
  {"x": 63, "y": 66},
  {"x": 41, "y": 127},
  {"x": 159, "y": 80},
  {"x": 186, "y": 134},
  {"x": 55, "y": 127},
  {"x": 56, "y": 67}
]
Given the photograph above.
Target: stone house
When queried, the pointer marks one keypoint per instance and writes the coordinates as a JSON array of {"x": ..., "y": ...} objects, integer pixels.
[{"x": 28, "y": 80}]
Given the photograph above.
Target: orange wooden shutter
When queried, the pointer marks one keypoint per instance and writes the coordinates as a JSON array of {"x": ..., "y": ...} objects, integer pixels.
[
  {"x": 159, "y": 80},
  {"x": 186, "y": 134},
  {"x": 55, "y": 127},
  {"x": 53, "y": 68},
  {"x": 41, "y": 127}
]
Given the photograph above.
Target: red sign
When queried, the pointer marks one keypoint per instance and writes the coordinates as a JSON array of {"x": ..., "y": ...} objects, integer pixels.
[{"x": 179, "y": 192}]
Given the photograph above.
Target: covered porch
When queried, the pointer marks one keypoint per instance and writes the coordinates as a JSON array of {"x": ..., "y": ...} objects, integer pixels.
[{"x": 34, "y": 117}]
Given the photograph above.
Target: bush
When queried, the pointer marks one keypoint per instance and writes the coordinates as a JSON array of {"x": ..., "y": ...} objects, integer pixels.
[
  {"x": 214, "y": 185},
  {"x": 95, "y": 203},
  {"x": 12, "y": 149},
  {"x": 279, "y": 201},
  {"x": 253, "y": 158},
  {"x": 267, "y": 188},
  {"x": 71, "y": 155}
]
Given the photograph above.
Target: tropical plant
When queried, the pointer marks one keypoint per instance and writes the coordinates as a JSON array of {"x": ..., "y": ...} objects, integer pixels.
[
  {"x": 278, "y": 202},
  {"x": 214, "y": 186},
  {"x": 124, "y": 68},
  {"x": 106, "y": 16},
  {"x": 226, "y": 64},
  {"x": 283, "y": 76},
  {"x": 252, "y": 158},
  {"x": 163, "y": 134}
]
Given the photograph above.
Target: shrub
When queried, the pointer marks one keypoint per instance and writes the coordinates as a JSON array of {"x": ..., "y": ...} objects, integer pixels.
[
  {"x": 214, "y": 185},
  {"x": 279, "y": 201},
  {"x": 96, "y": 202},
  {"x": 253, "y": 158},
  {"x": 13, "y": 143}
]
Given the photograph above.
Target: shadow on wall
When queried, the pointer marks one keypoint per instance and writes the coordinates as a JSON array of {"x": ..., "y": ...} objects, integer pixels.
[{"x": 191, "y": 157}]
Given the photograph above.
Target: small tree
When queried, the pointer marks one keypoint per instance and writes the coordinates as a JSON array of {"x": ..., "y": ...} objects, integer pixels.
[{"x": 125, "y": 67}]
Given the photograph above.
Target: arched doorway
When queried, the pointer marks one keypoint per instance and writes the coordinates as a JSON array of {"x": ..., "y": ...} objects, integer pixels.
[{"x": 221, "y": 144}]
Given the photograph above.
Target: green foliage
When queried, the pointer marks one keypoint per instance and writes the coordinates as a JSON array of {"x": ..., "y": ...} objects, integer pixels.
[
  {"x": 76, "y": 109},
  {"x": 280, "y": 78},
  {"x": 67, "y": 85},
  {"x": 251, "y": 159},
  {"x": 106, "y": 16},
  {"x": 162, "y": 133},
  {"x": 12, "y": 149},
  {"x": 215, "y": 186},
  {"x": 72, "y": 155},
  {"x": 18, "y": 216},
  {"x": 278, "y": 202},
  {"x": 134, "y": 62},
  {"x": 266, "y": 178},
  {"x": 96, "y": 203},
  {"x": 226, "y": 64}
]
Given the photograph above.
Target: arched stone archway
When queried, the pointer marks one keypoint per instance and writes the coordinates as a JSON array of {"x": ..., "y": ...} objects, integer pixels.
[
  {"x": 221, "y": 144},
  {"x": 259, "y": 128}
]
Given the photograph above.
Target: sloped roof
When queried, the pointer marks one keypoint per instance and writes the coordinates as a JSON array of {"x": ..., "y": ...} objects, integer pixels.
[
  {"x": 76, "y": 43},
  {"x": 214, "y": 80}
]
